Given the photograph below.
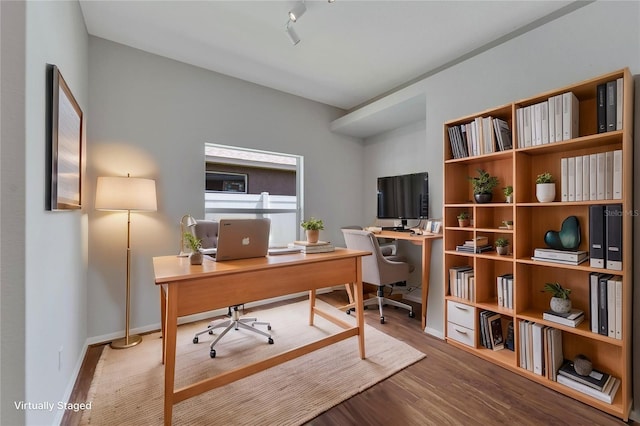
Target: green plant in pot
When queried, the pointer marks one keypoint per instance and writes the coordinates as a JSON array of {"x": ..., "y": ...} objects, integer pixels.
[
  {"x": 464, "y": 220},
  {"x": 195, "y": 244},
  {"x": 545, "y": 187},
  {"x": 483, "y": 185},
  {"x": 560, "y": 301},
  {"x": 502, "y": 246},
  {"x": 508, "y": 193},
  {"x": 312, "y": 228}
]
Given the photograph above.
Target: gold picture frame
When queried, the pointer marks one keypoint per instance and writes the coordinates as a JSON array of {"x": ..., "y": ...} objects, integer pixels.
[{"x": 65, "y": 126}]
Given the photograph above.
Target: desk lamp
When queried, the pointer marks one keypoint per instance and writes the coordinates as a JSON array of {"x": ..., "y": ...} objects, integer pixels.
[
  {"x": 126, "y": 194},
  {"x": 186, "y": 225}
]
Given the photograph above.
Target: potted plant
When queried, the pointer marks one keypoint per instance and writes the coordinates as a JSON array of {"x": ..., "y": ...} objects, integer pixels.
[
  {"x": 545, "y": 188},
  {"x": 195, "y": 244},
  {"x": 502, "y": 246},
  {"x": 483, "y": 185},
  {"x": 508, "y": 193},
  {"x": 560, "y": 301},
  {"x": 463, "y": 219},
  {"x": 508, "y": 224},
  {"x": 312, "y": 228}
]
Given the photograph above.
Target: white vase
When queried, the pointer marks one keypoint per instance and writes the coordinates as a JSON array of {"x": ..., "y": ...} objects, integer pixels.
[
  {"x": 545, "y": 192},
  {"x": 559, "y": 305}
]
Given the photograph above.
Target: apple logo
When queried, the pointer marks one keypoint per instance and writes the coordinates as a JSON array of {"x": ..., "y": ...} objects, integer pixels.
[{"x": 245, "y": 241}]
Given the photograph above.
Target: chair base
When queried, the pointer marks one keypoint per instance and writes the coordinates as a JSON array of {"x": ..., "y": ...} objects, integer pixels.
[
  {"x": 380, "y": 300},
  {"x": 235, "y": 322}
]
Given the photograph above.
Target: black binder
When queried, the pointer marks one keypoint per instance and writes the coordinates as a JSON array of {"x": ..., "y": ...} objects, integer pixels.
[
  {"x": 612, "y": 90},
  {"x": 613, "y": 255},
  {"x": 596, "y": 236},
  {"x": 603, "y": 311},
  {"x": 602, "y": 107}
]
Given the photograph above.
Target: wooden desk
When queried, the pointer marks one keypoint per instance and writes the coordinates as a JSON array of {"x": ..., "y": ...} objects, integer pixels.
[
  {"x": 424, "y": 241},
  {"x": 186, "y": 289}
]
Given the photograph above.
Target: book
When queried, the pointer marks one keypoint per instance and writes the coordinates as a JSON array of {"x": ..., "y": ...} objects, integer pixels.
[
  {"x": 552, "y": 119},
  {"x": 480, "y": 249},
  {"x": 601, "y": 107},
  {"x": 454, "y": 278},
  {"x": 613, "y": 236},
  {"x": 599, "y": 395},
  {"x": 571, "y": 319},
  {"x": 595, "y": 379},
  {"x": 564, "y": 179},
  {"x": 593, "y": 177},
  {"x": 586, "y": 177},
  {"x": 603, "y": 314},
  {"x": 618, "y": 307},
  {"x": 619, "y": 99},
  {"x": 307, "y": 247},
  {"x": 617, "y": 174},
  {"x": 608, "y": 175},
  {"x": 544, "y": 116},
  {"x": 596, "y": 236},
  {"x": 601, "y": 175},
  {"x": 308, "y": 244},
  {"x": 558, "y": 120},
  {"x": 571, "y": 175},
  {"x": 568, "y": 255},
  {"x": 478, "y": 241},
  {"x": 612, "y": 108},
  {"x": 611, "y": 307},
  {"x": 570, "y": 116},
  {"x": 495, "y": 332},
  {"x": 527, "y": 129},
  {"x": 594, "y": 299},
  {"x": 503, "y": 134},
  {"x": 537, "y": 332},
  {"x": 564, "y": 262},
  {"x": 509, "y": 340},
  {"x": 556, "y": 356},
  {"x": 578, "y": 178}
]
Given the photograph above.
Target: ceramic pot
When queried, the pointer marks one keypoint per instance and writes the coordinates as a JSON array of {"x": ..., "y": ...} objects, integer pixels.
[
  {"x": 509, "y": 198},
  {"x": 502, "y": 250},
  {"x": 463, "y": 223},
  {"x": 559, "y": 305},
  {"x": 545, "y": 192},
  {"x": 196, "y": 258},
  {"x": 313, "y": 235},
  {"x": 483, "y": 198}
]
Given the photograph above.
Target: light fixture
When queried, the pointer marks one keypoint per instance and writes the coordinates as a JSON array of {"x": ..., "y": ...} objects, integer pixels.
[
  {"x": 297, "y": 11},
  {"x": 293, "y": 36},
  {"x": 126, "y": 194},
  {"x": 186, "y": 225}
]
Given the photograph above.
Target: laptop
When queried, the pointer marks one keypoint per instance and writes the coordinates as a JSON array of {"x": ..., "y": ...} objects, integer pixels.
[{"x": 241, "y": 239}]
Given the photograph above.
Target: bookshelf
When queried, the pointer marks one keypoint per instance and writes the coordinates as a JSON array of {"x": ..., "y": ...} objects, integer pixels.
[{"x": 519, "y": 167}]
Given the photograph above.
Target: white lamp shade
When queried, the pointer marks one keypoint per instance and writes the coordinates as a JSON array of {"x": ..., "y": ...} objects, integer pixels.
[{"x": 126, "y": 193}]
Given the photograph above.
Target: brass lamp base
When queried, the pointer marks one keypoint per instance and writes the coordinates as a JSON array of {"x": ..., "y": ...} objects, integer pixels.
[{"x": 126, "y": 343}]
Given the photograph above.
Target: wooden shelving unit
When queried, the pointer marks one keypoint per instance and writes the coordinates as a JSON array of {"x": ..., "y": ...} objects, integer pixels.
[{"x": 519, "y": 167}]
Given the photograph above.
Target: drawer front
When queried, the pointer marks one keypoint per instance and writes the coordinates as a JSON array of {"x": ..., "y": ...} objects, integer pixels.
[
  {"x": 460, "y": 314},
  {"x": 461, "y": 334}
]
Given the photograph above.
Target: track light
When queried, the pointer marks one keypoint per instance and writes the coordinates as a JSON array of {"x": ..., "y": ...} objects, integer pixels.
[
  {"x": 298, "y": 10},
  {"x": 293, "y": 36}
]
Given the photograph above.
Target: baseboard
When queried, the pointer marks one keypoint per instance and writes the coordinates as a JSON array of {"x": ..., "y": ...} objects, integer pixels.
[
  {"x": 71, "y": 384},
  {"x": 106, "y": 338}
]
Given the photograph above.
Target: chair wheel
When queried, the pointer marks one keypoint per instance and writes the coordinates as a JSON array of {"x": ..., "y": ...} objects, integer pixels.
[
  {"x": 211, "y": 332},
  {"x": 381, "y": 320},
  {"x": 270, "y": 341},
  {"x": 212, "y": 354},
  {"x": 195, "y": 340},
  {"x": 412, "y": 314},
  {"x": 268, "y": 327}
]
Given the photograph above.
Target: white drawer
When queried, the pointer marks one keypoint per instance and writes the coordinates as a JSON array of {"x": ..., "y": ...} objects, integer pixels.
[
  {"x": 461, "y": 334},
  {"x": 460, "y": 314}
]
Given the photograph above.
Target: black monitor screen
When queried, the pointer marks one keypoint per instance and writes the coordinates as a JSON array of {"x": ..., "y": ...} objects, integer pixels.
[{"x": 403, "y": 197}]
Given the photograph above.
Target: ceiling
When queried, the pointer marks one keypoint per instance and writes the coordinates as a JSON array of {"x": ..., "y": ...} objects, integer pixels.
[{"x": 350, "y": 52}]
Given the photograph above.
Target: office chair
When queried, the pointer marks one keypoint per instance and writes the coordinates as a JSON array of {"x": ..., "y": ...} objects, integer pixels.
[
  {"x": 207, "y": 232},
  {"x": 378, "y": 269}
]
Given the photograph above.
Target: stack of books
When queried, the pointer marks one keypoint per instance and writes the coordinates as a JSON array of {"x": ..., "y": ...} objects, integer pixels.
[
  {"x": 570, "y": 319},
  {"x": 479, "y": 244},
  {"x": 601, "y": 386},
  {"x": 318, "y": 247},
  {"x": 567, "y": 257}
]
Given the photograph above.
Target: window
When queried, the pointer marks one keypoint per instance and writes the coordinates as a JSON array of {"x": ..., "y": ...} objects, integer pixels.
[{"x": 245, "y": 183}]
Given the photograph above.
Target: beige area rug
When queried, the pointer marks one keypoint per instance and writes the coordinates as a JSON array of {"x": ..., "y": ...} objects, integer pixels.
[{"x": 127, "y": 388}]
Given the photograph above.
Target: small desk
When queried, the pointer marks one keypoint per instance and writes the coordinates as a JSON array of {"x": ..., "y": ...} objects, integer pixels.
[
  {"x": 424, "y": 241},
  {"x": 187, "y": 289}
]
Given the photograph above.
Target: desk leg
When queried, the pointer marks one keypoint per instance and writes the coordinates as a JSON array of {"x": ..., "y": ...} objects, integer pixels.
[
  {"x": 359, "y": 302},
  {"x": 312, "y": 305},
  {"x": 171, "y": 329},
  {"x": 163, "y": 318},
  {"x": 426, "y": 273}
]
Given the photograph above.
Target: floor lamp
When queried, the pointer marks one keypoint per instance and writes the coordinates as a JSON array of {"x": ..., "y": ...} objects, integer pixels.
[{"x": 126, "y": 194}]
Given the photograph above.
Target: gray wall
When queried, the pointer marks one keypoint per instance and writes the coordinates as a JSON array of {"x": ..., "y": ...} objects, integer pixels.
[
  {"x": 155, "y": 115},
  {"x": 598, "y": 38}
]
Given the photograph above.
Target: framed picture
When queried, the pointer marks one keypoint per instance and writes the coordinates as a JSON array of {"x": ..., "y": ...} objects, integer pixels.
[
  {"x": 433, "y": 226},
  {"x": 64, "y": 128}
]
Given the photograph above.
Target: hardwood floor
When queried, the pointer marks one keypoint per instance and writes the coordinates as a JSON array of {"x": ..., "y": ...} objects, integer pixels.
[{"x": 448, "y": 387}]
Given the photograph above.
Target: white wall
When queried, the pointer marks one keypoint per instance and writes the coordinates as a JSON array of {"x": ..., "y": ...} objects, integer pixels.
[
  {"x": 152, "y": 117},
  {"x": 596, "y": 39},
  {"x": 55, "y": 241}
]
